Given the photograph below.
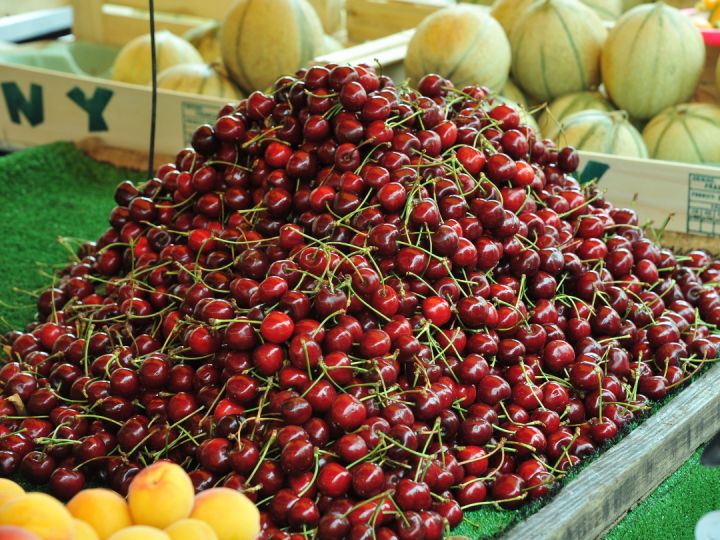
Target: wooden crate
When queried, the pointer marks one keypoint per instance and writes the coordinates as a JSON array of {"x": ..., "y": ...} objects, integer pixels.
[
  {"x": 15, "y": 7},
  {"x": 688, "y": 195},
  {"x": 372, "y": 19},
  {"x": 115, "y": 22}
]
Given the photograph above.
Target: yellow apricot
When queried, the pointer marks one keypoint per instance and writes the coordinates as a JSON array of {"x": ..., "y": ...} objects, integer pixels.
[
  {"x": 160, "y": 495},
  {"x": 9, "y": 490},
  {"x": 102, "y": 509},
  {"x": 39, "y": 514},
  {"x": 230, "y": 513},
  {"x": 140, "y": 532},
  {"x": 84, "y": 531},
  {"x": 191, "y": 529}
]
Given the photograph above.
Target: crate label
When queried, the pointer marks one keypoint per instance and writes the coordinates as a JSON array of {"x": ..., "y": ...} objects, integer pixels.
[
  {"x": 593, "y": 171},
  {"x": 194, "y": 115},
  {"x": 32, "y": 107},
  {"x": 94, "y": 106},
  {"x": 703, "y": 216}
]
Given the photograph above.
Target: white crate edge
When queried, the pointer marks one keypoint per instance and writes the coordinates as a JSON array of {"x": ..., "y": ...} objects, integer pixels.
[
  {"x": 687, "y": 193},
  {"x": 39, "y": 106}
]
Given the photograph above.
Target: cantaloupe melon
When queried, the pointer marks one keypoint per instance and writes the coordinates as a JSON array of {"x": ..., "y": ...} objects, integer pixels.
[
  {"x": 600, "y": 131},
  {"x": 507, "y": 12},
  {"x": 262, "y": 40},
  {"x": 462, "y": 43},
  {"x": 608, "y": 10},
  {"x": 569, "y": 104},
  {"x": 203, "y": 79},
  {"x": 513, "y": 93},
  {"x": 556, "y": 48},
  {"x": 133, "y": 62},
  {"x": 689, "y": 132},
  {"x": 653, "y": 58},
  {"x": 206, "y": 39}
]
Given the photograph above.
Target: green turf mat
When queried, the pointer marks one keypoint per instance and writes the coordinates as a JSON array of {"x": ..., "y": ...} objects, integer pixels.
[
  {"x": 672, "y": 510},
  {"x": 46, "y": 193},
  {"x": 56, "y": 191}
]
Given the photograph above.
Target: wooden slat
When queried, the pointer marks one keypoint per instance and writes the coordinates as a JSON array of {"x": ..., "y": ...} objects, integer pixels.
[
  {"x": 14, "y": 7},
  {"x": 214, "y": 9},
  {"x": 116, "y": 25},
  {"x": 372, "y": 19},
  {"x": 128, "y": 23},
  {"x": 629, "y": 471},
  {"x": 99, "y": 21},
  {"x": 87, "y": 20},
  {"x": 392, "y": 48},
  {"x": 388, "y": 52}
]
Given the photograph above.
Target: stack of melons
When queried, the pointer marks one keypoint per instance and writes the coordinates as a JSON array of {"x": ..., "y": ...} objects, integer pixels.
[
  {"x": 243, "y": 53},
  {"x": 562, "y": 55},
  {"x": 180, "y": 65}
]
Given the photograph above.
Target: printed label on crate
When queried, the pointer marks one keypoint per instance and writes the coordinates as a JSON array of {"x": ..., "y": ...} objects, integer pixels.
[
  {"x": 195, "y": 115},
  {"x": 703, "y": 216},
  {"x": 592, "y": 172},
  {"x": 39, "y": 106},
  {"x": 30, "y": 107}
]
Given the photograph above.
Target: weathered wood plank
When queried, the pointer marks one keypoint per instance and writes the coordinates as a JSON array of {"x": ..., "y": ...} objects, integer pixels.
[
  {"x": 629, "y": 471},
  {"x": 87, "y": 20},
  {"x": 114, "y": 24},
  {"x": 217, "y": 9},
  {"x": 372, "y": 19},
  {"x": 14, "y": 7}
]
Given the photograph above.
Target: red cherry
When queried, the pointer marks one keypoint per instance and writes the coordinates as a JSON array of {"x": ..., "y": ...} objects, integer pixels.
[{"x": 277, "y": 327}]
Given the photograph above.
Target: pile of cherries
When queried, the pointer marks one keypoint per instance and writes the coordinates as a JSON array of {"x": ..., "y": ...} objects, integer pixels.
[{"x": 369, "y": 307}]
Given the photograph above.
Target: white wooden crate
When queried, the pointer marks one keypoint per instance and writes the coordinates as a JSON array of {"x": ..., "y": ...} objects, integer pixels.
[
  {"x": 39, "y": 106},
  {"x": 687, "y": 194}
]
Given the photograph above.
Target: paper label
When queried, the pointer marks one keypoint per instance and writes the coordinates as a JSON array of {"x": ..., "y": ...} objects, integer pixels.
[
  {"x": 194, "y": 115},
  {"x": 703, "y": 215}
]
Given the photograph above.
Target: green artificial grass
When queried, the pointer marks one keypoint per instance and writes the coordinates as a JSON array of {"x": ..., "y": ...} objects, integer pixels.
[
  {"x": 674, "y": 508},
  {"x": 47, "y": 193},
  {"x": 56, "y": 192}
]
